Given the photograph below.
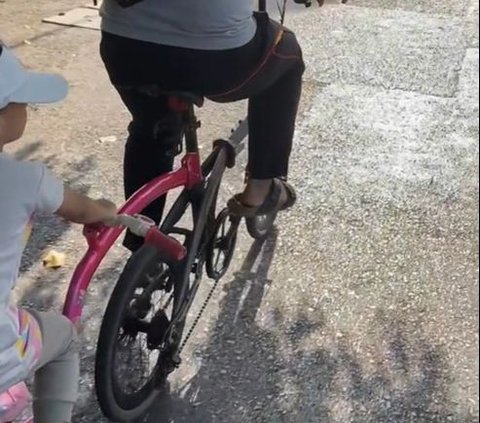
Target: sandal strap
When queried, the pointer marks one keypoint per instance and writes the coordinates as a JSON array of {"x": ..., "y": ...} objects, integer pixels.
[
  {"x": 291, "y": 196},
  {"x": 238, "y": 208},
  {"x": 271, "y": 203}
]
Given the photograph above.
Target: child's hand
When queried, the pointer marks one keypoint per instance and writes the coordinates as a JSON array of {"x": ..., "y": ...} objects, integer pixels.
[
  {"x": 79, "y": 208},
  {"x": 110, "y": 211}
]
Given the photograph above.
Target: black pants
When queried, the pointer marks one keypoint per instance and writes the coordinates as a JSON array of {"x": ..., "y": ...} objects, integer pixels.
[{"x": 268, "y": 71}]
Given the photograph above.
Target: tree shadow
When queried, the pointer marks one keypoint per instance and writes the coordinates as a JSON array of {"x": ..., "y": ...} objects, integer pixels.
[
  {"x": 250, "y": 373},
  {"x": 408, "y": 382}
]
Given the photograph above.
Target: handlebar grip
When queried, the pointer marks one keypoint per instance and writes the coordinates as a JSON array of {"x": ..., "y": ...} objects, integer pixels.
[{"x": 169, "y": 247}]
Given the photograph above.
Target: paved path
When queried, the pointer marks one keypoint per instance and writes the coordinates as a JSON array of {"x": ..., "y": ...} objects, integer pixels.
[{"x": 364, "y": 307}]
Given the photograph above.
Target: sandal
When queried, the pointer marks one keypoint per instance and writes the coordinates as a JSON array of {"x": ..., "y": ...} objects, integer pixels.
[{"x": 270, "y": 205}]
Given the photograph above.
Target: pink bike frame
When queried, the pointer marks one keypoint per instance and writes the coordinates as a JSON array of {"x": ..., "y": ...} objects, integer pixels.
[{"x": 101, "y": 239}]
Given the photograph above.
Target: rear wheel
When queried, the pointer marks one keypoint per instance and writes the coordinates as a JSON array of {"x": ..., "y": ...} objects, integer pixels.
[
  {"x": 142, "y": 332},
  {"x": 132, "y": 357}
]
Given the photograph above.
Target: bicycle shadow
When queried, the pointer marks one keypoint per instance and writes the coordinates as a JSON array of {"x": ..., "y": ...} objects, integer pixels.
[
  {"x": 273, "y": 374},
  {"x": 233, "y": 338}
]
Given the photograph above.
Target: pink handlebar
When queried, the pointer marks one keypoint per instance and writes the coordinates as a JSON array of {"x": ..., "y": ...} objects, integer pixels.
[{"x": 144, "y": 227}]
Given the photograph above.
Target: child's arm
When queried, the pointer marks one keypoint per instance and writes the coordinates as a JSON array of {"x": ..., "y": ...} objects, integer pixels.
[{"x": 79, "y": 208}]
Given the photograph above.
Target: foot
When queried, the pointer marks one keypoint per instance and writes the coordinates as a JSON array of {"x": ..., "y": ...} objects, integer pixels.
[
  {"x": 262, "y": 198},
  {"x": 257, "y": 191}
]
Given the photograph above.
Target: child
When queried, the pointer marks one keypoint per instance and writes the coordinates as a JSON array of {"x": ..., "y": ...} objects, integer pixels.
[{"x": 33, "y": 342}]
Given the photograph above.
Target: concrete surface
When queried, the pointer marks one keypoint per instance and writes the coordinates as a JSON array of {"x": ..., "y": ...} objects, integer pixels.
[{"x": 363, "y": 308}]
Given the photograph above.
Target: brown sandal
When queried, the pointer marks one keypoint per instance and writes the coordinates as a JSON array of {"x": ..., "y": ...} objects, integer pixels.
[{"x": 270, "y": 205}]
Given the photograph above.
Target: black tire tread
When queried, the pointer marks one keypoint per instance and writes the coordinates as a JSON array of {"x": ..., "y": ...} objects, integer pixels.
[{"x": 121, "y": 296}]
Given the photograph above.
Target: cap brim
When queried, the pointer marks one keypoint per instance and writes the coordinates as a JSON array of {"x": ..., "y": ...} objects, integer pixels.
[{"x": 41, "y": 89}]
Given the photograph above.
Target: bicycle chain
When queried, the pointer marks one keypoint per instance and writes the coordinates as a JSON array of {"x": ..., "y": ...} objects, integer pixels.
[{"x": 199, "y": 315}]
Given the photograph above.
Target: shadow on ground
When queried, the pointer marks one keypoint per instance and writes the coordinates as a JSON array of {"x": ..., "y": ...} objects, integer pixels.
[{"x": 250, "y": 374}]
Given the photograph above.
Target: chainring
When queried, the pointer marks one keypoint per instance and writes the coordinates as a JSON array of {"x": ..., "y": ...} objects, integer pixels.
[{"x": 221, "y": 247}]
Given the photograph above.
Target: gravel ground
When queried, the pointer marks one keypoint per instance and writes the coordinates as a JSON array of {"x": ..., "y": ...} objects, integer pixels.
[{"x": 363, "y": 307}]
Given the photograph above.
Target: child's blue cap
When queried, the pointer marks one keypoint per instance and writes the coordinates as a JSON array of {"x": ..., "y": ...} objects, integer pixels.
[{"x": 17, "y": 85}]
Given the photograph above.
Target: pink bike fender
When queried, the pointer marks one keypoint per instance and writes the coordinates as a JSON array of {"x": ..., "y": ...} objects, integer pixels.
[{"x": 101, "y": 239}]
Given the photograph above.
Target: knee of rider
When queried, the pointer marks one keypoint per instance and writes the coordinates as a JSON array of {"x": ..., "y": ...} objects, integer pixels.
[
  {"x": 140, "y": 129},
  {"x": 71, "y": 344}
]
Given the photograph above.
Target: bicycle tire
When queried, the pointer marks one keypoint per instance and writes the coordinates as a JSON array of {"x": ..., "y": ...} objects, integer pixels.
[
  {"x": 133, "y": 272},
  {"x": 116, "y": 405}
]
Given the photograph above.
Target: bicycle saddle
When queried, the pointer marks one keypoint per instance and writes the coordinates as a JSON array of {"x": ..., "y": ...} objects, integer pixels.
[
  {"x": 192, "y": 98},
  {"x": 156, "y": 91}
]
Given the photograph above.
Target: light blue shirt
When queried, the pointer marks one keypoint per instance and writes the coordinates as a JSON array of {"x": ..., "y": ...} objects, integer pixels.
[
  {"x": 195, "y": 24},
  {"x": 25, "y": 189}
]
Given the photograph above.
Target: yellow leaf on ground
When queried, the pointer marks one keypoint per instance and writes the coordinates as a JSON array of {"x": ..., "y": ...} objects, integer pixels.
[{"x": 54, "y": 260}]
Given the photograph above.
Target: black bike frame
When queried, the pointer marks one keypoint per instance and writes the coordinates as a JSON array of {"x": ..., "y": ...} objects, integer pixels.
[{"x": 203, "y": 200}]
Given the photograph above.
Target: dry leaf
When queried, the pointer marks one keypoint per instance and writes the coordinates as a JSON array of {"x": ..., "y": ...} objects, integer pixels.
[{"x": 54, "y": 260}]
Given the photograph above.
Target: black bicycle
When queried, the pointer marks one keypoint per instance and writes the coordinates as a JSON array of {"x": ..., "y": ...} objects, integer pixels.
[{"x": 144, "y": 330}]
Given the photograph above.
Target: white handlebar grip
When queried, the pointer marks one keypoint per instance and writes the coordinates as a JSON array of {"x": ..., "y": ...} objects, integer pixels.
[{"x": 138, "y": 225}]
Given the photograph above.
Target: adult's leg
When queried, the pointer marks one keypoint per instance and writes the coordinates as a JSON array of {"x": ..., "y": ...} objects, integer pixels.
[
  {"x": 274, "y": 90},
  {"x": 147, "y": 155},
  {"x": 271, "y": 140},
  {"x": 147, "y": 148},
  {"x": 272, "y": 117}
]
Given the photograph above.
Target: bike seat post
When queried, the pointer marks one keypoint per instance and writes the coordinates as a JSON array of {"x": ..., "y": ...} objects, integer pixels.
[
  {"x": 189, "y": 120},
  {"x": 191, "y": 126}
]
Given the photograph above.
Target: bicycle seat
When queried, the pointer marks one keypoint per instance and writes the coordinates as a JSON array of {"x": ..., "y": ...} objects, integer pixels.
[{"x": 191, "y": 98}]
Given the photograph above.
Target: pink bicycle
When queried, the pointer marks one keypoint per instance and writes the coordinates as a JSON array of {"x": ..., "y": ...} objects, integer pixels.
[
  {"x": 143, "y": 331},
  {"x": 144, "y": 328}
]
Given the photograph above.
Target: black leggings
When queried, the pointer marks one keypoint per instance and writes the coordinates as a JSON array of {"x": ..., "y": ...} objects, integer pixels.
[{"x": 268, "y": 71}]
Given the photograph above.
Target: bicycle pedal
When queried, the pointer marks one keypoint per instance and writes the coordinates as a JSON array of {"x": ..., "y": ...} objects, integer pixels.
[{"x": 157, "y": 329}]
